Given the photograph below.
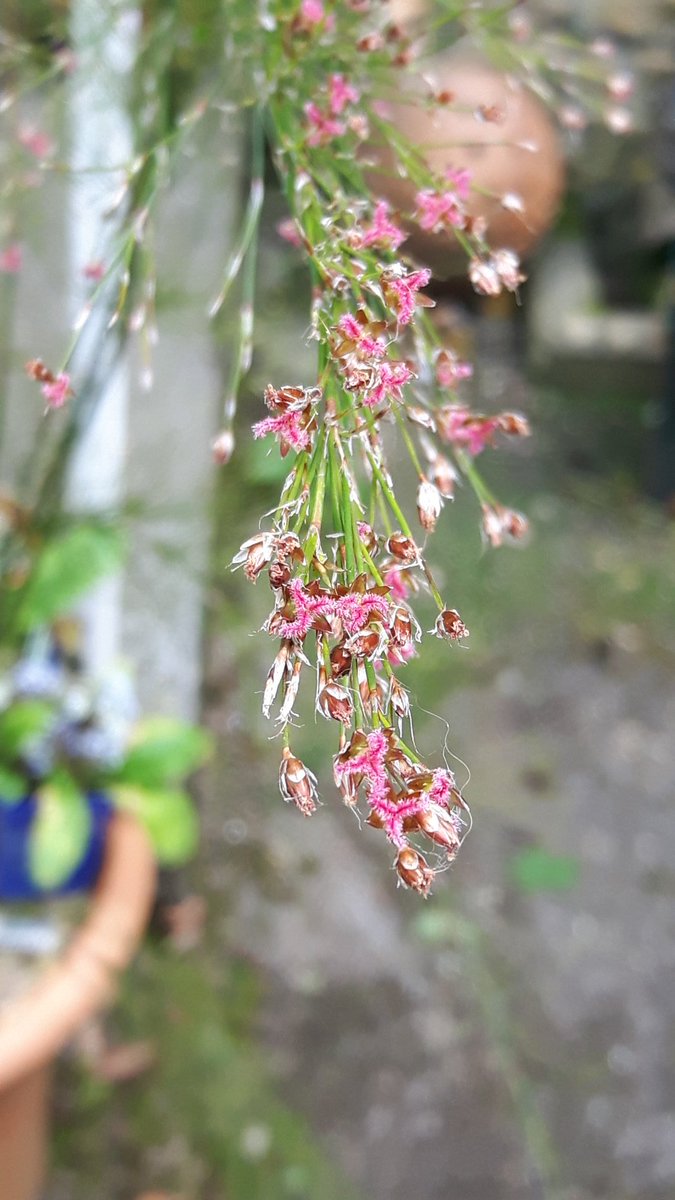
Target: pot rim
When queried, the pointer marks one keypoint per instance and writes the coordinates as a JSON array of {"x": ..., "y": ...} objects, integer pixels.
[{"x": 36, "y": 1027}]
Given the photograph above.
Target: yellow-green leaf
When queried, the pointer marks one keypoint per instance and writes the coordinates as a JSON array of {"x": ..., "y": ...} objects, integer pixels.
[
  {"x": 169, "y": 817},
  {"x": 60, "y": 832}
]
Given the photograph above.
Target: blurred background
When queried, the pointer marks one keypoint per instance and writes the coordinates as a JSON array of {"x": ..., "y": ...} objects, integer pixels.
[{"x": 308, "y": 1029}]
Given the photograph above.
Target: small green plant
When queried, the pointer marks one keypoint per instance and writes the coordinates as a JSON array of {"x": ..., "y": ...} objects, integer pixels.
[{"x": 63, "y": 737}]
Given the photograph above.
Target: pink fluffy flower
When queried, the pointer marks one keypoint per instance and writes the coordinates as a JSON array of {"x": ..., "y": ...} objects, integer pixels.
[
  {"x": 404, "y": 290},
  {"x": 382, "y": 231},
  {"x": 11, "y": 259},
  {"x": 57, "y": 391},
  {"x": 356, "y": 609},
  {"x": 369, "y": 766},
  {"x": 366, "y": 345},
  {"x": 340, "y": 94},
  {"x": 442, "y": 787},
  {"x": 305, "y": 609},
  {"x": 391, "y": 378},
  {"x": 438, "y": 210},
  {"x": 290, "y": 427},
  {"x": 322, "y": 126}
]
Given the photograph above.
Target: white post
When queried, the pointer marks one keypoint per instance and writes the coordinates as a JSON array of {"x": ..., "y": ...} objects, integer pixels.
[{"x": 101, "y": 139}]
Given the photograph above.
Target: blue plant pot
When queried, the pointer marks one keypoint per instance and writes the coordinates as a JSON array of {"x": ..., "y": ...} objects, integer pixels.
[{"x": 15, "y": 824}]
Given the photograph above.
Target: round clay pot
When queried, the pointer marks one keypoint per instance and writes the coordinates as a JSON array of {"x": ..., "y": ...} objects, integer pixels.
[
  {"x": 519, "y": 154},
  {"x": 35, "y": 1028}
]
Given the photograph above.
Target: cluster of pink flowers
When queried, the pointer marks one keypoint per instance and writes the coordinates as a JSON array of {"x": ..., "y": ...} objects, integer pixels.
[
  {"x": 325, "y": 121},
  {"x": 360, "y": 351},
  {"x": 303, "y": 607},
  {"x": 404, "y": 798}
]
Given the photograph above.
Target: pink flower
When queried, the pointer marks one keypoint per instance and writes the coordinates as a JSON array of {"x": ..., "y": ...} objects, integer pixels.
[
  {"x": 366, "y": 345},
  {"x": 290, "y": 427},
  {"x": 438, "y": 210},
  {"x": 397, "y": 581},
  {"x": 356, "y": 609},
  {"x": 11, "y": 259},
  {"x": 391, "y": 378},
  {"x": 322, "y": 126},
  {"x": 450, "y": 370},
  {"x": 57, "y": 391},
  {"x": 460, "y": 178},
  {"x": 404, "y": 289},
  {"x": 381, "y": 232},
  {"x": 369, "y": 766},
  {"x": 36, "y": 141},
  {"x": 442, "y": 787},
  {"x": 288, "y": 230},
  {"x": 463, "y": 428},
  {"x": 296, "y": 619},
  {"x": 340, "y": 94},
  {"x": 312, "y": 12},
  {"x": 94, "y": 270}
]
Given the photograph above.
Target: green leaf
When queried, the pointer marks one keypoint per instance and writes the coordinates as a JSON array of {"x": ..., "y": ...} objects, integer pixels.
[
  {"x": 12, "y": 786},
  {"x": 69, "y": 565},
  {"x": 60, "y": 832},
  {"x": 168, "y": 816},
  {"x": 21, "y": 724},
  {"x": 164, "y": 751},
  {"x": 535, "y": 870}
]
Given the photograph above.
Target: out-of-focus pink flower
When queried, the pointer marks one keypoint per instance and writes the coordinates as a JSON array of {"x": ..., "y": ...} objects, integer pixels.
[
  {"x": 398, "y": 582},
  {"x": 11, "y": 259},
  {"x": 340, "y": 94},
  {"x": 56, "y": 391},
  {"x": 450, "y": 370},
  {"x": 322, "y": 126},
  {"x": 460, "y": 179},
  {"x": 288, "y": 230},
  {"x": 312, "y": 12},
  {"x": 36, "y": 142},
  {"x": 439, "y": 210},
  {"x": 463, "y": 428},
  {"x": 382, "y": 231},
  {"x": 94, "y": 270}
]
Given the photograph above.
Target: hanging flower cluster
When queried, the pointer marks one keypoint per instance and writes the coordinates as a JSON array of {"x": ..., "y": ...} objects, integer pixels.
[{"x": 342, "y": 560}]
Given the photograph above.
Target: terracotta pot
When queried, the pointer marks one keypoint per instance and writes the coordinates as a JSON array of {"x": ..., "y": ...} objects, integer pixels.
[
  {"x": 520, "y": 153},
  {"x": 34, "y": 1029}
]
